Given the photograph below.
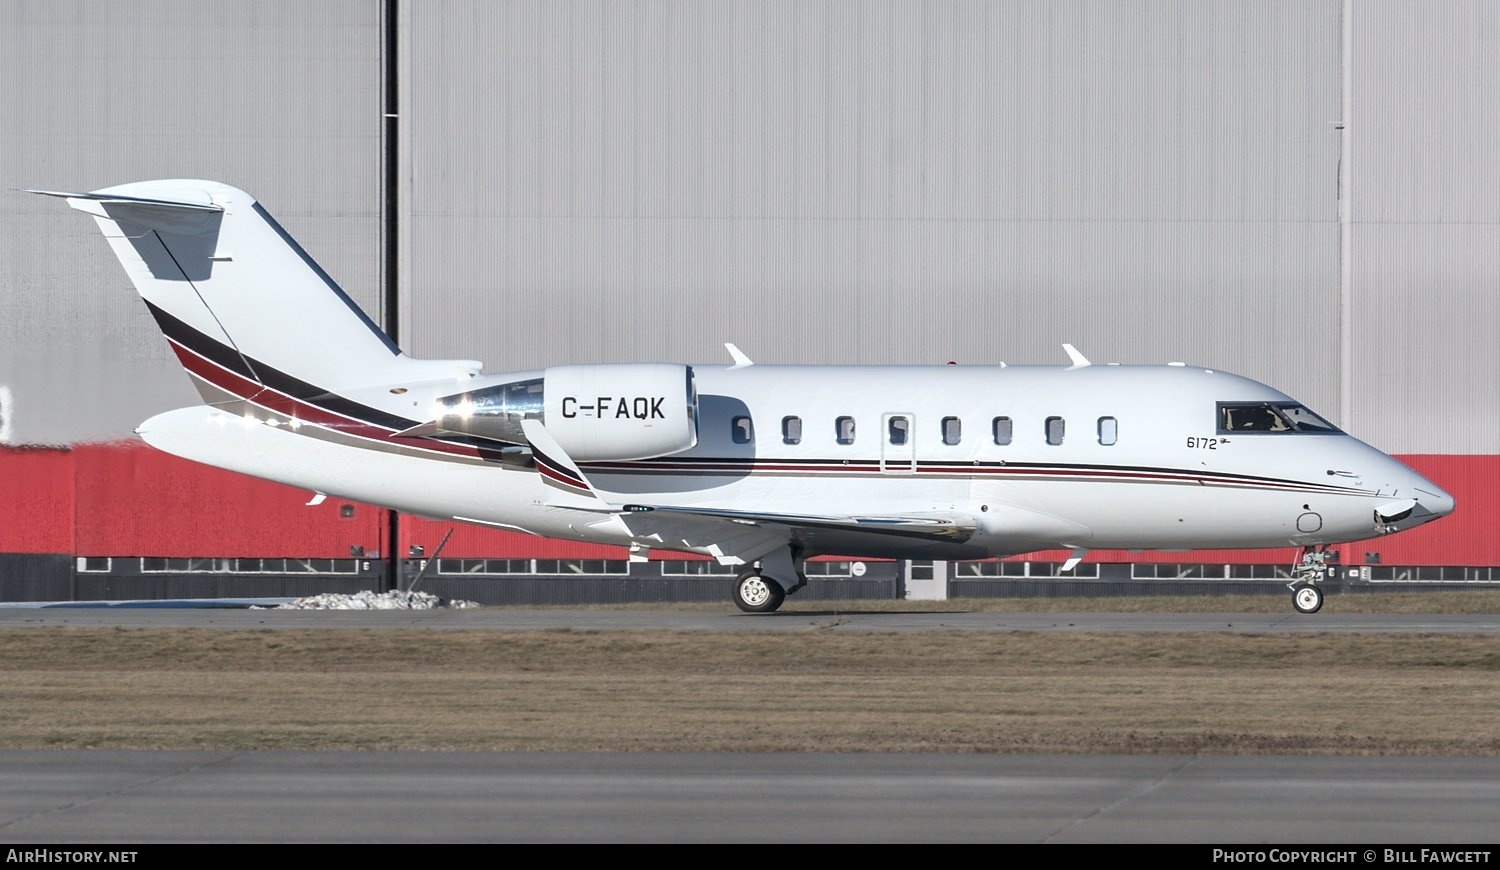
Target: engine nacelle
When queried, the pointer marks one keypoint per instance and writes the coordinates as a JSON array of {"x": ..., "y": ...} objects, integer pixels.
[
  {"x": 596, "y": 412},
  {"x": 602, "y": 412}
]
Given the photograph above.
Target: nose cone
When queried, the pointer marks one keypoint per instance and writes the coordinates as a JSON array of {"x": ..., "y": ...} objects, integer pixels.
[
  {"x": 1416, "y": 501},
  {"x": 1431, "y": 499}
]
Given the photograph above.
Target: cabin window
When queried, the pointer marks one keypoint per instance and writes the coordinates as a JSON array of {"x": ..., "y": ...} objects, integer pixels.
[
  {"x": 791, "y": 430},
  {"x": 742, "y": 430},
  {"x": 953, "y": 430},
  {"x": 843, "y": 429},
  {"x": 1001, "y": 427},
  {"x": 900, "y": 430},
  {"x": 1055, "y": 426},
  {"x": 1109, "y": 430}
]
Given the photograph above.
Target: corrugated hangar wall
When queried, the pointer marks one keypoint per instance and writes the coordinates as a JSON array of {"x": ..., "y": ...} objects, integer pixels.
[
  {"x": 279, "y": 97},
  {"x": 862, "y": 182},
  {"x": 1425, "y": 264},
  {"x": 816, "y": 181}
]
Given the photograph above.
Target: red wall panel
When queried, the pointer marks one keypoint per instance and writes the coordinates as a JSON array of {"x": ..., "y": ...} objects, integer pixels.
[
  {"x": 126, "y": 499},
  {"x": 470, "y": 541},
  {"x": 136, "y": 501},
  {"x": 1465, "y": 537},
  {"x": 36, "y": 500}
]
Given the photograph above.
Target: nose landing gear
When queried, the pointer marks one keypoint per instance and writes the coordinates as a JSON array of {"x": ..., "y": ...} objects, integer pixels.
[
  {"x": 1314, "y": 567},
  {"x": 1307, "y": 599}
]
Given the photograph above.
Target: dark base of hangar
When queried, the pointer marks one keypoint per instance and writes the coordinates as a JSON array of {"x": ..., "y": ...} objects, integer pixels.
[{"x": 44, "y": 577}]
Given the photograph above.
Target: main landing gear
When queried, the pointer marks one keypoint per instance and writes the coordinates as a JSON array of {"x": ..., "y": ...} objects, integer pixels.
[
  {"x": 756, "y": 594},
  {"x": 763, "y": 588},
  {"x": 1314, "y": 567}
]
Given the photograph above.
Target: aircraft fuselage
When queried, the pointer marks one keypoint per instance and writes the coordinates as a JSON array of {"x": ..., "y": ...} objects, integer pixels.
[{"x": 755, "y": 465}]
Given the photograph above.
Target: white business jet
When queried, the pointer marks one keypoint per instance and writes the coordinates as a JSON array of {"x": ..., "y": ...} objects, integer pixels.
[{"x": 760, "y": 466}]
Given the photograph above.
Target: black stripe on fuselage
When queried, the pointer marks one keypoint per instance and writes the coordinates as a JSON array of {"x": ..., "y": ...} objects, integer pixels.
[
  {"x": 257, "y": 370},
  {"x": 216, "y": 352}
]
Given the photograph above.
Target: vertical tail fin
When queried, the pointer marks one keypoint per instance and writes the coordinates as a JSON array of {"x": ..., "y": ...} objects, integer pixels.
[{"x": 241, "y": 303}]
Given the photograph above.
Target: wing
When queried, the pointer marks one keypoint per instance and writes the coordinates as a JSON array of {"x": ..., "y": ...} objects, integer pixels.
[
  {"x": 936, "y": 526},
  {"x": 742, "y": 536},
  {"x": 737, "y": 537}
]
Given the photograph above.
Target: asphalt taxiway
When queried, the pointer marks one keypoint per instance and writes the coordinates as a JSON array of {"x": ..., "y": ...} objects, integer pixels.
[
  {"x": 729, "y": 619},
  {"x": 117, "y": 797},
  {"x": 146, "y": 797}
]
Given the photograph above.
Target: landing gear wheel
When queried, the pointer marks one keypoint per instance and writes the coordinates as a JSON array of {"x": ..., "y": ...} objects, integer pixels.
[
  {"x": 1307, "y": 599},
  {"x": 756, "y": 594}
]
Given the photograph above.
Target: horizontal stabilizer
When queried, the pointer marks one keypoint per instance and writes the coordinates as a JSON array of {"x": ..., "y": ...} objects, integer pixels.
[
  {"x": 187, "y": 210},
  {"x": 195, "y": 200}
]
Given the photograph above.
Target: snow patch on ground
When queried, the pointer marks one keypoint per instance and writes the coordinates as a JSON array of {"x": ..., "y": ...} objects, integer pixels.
[{"x": 394, "y": 600}]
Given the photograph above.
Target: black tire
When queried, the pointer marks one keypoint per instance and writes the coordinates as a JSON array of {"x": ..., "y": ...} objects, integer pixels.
[
  {"x": 756, "y": 594},
  {"x": 1307, "y": 599}
]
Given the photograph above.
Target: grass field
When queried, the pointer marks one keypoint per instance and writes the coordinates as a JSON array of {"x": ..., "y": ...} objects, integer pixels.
[{"x": 814, "y": 690}]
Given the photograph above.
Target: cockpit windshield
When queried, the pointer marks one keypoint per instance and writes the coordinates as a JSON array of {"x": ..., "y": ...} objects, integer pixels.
[
  {"x": 1274, "y": 417},
  {"x": 1305, "y": 420}
]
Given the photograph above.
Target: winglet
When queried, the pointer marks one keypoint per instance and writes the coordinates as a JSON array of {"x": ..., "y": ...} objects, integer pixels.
[
  {"x": 1079, "y": 360},
  {"x": 559, "y": 471},
  {"x": 740, "y": 360}
]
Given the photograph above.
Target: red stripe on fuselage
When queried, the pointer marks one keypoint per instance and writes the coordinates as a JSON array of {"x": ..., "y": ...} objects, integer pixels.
[
  {"x": 302, "y": 411},
  {"x": 938, "y": 469}
]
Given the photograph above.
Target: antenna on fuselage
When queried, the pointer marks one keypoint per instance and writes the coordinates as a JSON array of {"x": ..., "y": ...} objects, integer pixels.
[
  {"x": 1079, "y": 360},
  {"x": 740, "y": 360}
]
